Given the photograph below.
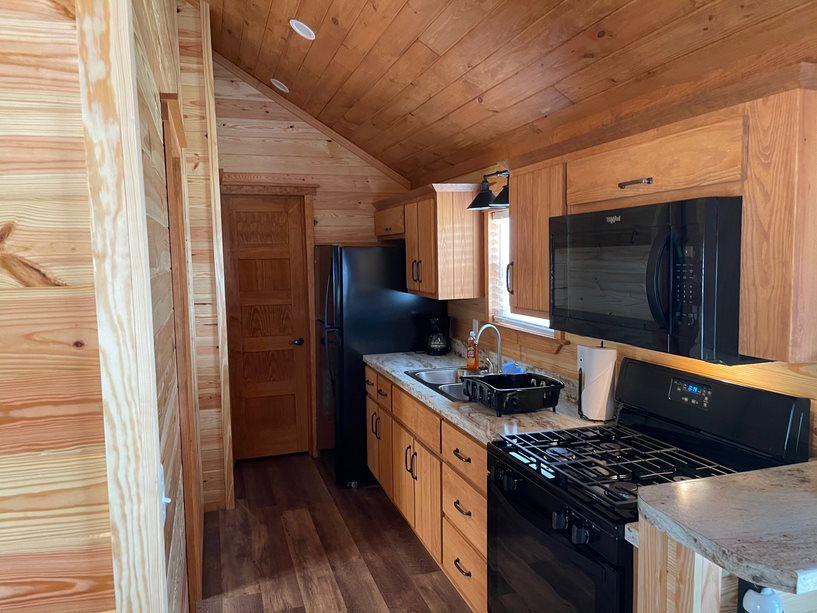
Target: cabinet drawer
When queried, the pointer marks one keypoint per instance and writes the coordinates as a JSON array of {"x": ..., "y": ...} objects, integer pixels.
[
  {"x": 389, "y": 221},
  {"x": 465, "y": 567},
  {"x": 371, "y": 383},
  {"x": 698, "y": 157},
  {"x": 427, "y": 428},
  {"x": 466, "y": 456},
  {"x": 384, "y": 392},
  {"x": 404, "y": 408},
  {"x": 466, "y": 508}
]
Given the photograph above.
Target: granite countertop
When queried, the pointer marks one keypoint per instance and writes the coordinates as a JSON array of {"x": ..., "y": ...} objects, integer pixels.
[
  {"x": 472, "y": 418},
  {"x": 759, "y": 525}
]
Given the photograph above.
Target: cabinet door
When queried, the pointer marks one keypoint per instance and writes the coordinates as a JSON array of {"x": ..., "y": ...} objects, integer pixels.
[
  {"x": 536, "y": 196},
  {"x": 412, "y": 256},
  {"x": 428, "y": 503},
  {"x": 403, "y": 482},
  {"x": 389, "y": 222},
  {"x": 371, "y": 438},
  {"x": 384, "y": 434},
  {"x": 427, "y": 245}
]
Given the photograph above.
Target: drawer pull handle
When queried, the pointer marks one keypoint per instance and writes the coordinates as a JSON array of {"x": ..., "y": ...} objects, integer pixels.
[
  {"x": 413, "y": 470},
  {"x": 463, "y": 572},
  {"x": 380, "y": 392},
  {"x": 369, "y": 382},
  {"x": 377, "y": 428},
  {"x": 406, "y": 459},
  {"x": 644, "y": 181},
  {"x": 371, "y": 423},
  {"x": 460, "y": 508},
  {"x": 460, "y": 457}
]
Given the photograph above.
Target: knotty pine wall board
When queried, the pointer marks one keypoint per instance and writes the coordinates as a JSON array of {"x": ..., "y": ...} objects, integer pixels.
[{"x": 258, "y": 135}]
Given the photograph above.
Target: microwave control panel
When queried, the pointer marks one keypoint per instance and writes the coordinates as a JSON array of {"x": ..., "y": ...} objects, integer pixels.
[
  {"x": 690, "y": 393},
  {"x": 687, "y": 287}
]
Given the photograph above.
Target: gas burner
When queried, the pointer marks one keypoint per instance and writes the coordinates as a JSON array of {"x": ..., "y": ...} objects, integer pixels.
[
  {"x": 560, "y": 454},
  {"x": 609, "y": 462}
]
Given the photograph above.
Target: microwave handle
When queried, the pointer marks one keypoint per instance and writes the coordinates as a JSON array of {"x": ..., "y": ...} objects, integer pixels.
[{"x": 654, "y": 280}]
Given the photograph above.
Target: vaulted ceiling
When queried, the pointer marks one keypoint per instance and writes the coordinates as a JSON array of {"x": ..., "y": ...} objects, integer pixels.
[{"x": 434, "y": 87}]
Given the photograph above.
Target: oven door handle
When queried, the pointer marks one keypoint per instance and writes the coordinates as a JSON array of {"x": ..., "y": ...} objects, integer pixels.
[{"x": 654, "y": 279}]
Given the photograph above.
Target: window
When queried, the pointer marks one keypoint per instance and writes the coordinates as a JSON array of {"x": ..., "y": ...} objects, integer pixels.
[{"x": 499, "y": 255}]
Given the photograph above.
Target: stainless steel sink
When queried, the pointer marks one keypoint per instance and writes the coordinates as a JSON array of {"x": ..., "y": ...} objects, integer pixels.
[
  {"x": 444, "y": 381},
  {"x": 454, "y": 391},
  {"x": 441, "y": 376}
]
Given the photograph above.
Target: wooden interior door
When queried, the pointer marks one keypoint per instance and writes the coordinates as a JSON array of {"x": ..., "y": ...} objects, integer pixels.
[
  {"x": 268, "y": 323},
  {"x": 402, "y": 448},
  {"x": 412, "y": 255},
  {"x": 181, "y": 337},
  {"x": 427, "y": 245},
  {"x": 372, "y": 444},
  {"x": 385, "y": 444},
  {"x": 428, "y": 520},
  {"x": 536, "y": 196}
]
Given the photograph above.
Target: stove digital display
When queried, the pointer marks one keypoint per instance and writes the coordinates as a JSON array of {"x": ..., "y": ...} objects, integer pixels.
[{"x": 693, "y": 394}]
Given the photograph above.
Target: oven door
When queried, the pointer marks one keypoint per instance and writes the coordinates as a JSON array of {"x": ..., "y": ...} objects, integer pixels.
[
  {"x": 610, "y": 275},
  {"x": 532, "y": 567}
]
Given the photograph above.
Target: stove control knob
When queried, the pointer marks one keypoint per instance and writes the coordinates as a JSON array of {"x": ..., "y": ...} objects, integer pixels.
[
  {"x": 580, "y": 535},
  {"x": 509, "y": 482},
  {"x": 558, "y": 520}
]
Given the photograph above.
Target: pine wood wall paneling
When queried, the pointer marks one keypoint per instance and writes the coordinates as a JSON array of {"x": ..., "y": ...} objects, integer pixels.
[
  {"x": 257, "y": 135},
  {"x": 55, "y": 544},
  {"x": 108, "y": 54},
  {"x": 197, "y": 97}
]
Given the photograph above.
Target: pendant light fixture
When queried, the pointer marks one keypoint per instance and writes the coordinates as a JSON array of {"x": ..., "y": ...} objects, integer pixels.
[{"x": 485, "y": 199}]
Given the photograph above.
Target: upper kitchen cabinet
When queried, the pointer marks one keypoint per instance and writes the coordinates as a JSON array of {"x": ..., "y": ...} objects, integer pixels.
[
  {"x": 764, "y": 150},
  {"x": 389, "y": 223},
  {"x": 444, "y": 241},
  {"x": 709, "y": 154},
  {"x": 537, "y": 194}
]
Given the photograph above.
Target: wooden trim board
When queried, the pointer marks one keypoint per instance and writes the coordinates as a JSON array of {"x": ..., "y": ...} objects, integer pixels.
[
  {"x": 108, "y": 74},
  {"x": 306, "y": 117}
]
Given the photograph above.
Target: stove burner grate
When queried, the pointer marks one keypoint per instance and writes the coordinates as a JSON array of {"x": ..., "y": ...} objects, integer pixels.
[{"x": 609, "y": 462}]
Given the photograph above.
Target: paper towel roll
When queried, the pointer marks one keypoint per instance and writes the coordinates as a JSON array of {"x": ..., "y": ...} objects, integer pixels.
[{"x": 598, "y": 369}]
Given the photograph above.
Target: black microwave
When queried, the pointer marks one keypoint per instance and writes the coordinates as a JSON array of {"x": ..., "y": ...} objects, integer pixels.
[{"x": 663, "y": 276}]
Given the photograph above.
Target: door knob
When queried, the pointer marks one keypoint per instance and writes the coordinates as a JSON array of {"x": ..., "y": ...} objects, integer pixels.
[{"x": 297, "y": 341}]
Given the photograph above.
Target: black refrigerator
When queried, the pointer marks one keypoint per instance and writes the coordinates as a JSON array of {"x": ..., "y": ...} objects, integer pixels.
[{"x": 363, "y": 308}]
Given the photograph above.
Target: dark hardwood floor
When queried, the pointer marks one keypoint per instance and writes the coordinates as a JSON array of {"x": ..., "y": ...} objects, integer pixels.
[{"x": 296, "y": 542}]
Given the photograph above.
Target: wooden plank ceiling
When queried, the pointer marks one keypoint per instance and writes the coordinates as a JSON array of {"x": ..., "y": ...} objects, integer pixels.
[{"x": 432, "y": 86}]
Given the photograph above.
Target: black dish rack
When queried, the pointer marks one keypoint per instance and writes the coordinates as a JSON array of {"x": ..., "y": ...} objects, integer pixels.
[{"x": 508, "y": 394}]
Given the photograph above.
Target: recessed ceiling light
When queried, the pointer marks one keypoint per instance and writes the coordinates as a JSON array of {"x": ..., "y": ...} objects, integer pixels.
[
  {"x": 302, "y": 29},
  {"x": 279, "y": 86}
]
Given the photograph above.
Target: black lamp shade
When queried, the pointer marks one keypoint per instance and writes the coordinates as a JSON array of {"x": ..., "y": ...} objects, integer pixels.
[
  {"x": 484, "y": 198},
  {"x": 503, "y": 199}
]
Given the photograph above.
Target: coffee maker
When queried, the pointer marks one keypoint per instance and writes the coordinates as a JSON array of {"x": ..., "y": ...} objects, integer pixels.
[{"x": 438, "y": 343}]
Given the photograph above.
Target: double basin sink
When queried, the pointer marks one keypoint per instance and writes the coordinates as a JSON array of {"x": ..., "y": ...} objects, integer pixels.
[{"x": 445, "y": 381}]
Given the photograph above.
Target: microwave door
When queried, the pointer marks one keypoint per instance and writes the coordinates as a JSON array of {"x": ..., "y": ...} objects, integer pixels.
[{"x": 610, "y": 275}]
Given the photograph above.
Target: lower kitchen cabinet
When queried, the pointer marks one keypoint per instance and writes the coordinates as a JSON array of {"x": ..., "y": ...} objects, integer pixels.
[
  {"x": 403, "y": 480},
  {"x": 465, "y": 567},
  {"x": 372, "y": 447},
  {"x": 466, "y": 509},
  {"x": 427, "y": 505},
  {"x": 436, "y": 476},
  {"x": 379, "y": 445}
]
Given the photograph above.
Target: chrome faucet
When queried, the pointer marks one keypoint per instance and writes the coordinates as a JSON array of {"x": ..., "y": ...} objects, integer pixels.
[{"x": 498, "y": 366}]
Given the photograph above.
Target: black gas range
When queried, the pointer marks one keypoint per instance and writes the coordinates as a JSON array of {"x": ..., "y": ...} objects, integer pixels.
[{"x": 558, "y": 501}]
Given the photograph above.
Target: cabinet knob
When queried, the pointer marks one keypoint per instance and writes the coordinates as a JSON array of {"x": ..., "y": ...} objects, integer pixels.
[{"x": 297, "y": 342}]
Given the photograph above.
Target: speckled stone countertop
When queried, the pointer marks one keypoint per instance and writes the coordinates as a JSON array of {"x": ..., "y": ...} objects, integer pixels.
[
  {"x": 759, "y": 525},
  {"x": 472, "y": 418}
]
